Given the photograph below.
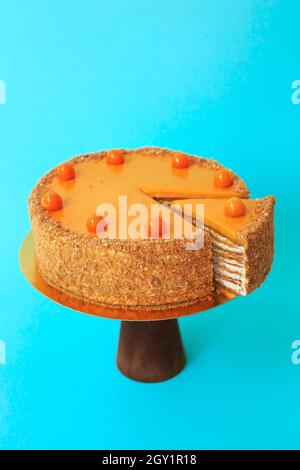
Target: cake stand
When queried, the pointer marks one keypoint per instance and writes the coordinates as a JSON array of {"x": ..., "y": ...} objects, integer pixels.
[{"x": 150, "y": 347}]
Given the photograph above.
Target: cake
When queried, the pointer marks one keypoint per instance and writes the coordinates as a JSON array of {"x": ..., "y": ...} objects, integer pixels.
[{"x": 76, "y": 253}]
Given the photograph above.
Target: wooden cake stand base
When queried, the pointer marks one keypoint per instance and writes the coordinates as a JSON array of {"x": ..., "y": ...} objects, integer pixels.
[
  {"x": 150, "y": 346},
  {"x": 150, "y": 351}
]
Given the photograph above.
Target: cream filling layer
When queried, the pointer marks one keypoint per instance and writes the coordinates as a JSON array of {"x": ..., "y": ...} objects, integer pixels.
[
  {"x": 228, "y": 271},
  {"x": 230, "y": 285},
  {"x": 223, "y": 265},
  {"x": 224, "y": 243}
]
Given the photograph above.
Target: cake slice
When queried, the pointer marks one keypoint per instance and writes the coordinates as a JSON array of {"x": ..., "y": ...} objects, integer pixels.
[{"x": 242, "y": 238}]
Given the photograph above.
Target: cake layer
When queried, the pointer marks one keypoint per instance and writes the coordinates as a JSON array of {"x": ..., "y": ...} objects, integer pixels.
[
  {"x": 223, "y": 265},
  {"x": 228, "y": 284},
  {"x": 230, "y": 266}
]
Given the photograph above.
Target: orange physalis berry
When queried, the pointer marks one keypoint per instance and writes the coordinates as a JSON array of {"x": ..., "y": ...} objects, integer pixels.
[
  {"x": 180, "y": 160},
  {"x": 65, "y": 172},
  {"x": 223, "y": 179},
  {"x": 92, "y": 223},
  {"x": 234, "y": 207},
  {"x": 156, "y": 227},
  {"x": 52, "y": 201},
  {"x": 115, "y": 157}
]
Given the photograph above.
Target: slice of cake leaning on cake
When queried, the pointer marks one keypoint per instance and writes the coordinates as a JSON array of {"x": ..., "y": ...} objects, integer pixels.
[
  {"x": 152, "y": 272},
  {"x": 242, "y": 237}
]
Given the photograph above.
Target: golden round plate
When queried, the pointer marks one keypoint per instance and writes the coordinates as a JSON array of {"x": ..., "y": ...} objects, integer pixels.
[{"x": 30, "y": 270}]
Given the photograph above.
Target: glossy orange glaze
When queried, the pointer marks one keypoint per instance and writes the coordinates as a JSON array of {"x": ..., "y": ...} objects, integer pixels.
[
  {"x": 215, "y": 217},
  {"x": 140, "y": 178},
  {"x": 194, "y": 181}
]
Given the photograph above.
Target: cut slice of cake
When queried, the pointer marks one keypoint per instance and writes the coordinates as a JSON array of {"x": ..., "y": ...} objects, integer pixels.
[{"x": 242, "y": 237}]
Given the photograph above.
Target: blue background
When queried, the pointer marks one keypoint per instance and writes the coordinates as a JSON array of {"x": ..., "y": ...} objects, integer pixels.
[{"x": 209, "y": 77}]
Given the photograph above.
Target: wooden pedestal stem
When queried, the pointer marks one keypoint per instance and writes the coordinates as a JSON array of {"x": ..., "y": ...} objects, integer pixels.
[{"x": 150, "y": 351}]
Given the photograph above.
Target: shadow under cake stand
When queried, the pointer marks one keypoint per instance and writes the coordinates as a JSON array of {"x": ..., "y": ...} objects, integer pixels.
[{"x": 150, "y": 346}]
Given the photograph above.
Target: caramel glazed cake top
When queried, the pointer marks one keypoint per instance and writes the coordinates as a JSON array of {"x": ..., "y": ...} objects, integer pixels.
[{"x": 155, "y": 272}]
